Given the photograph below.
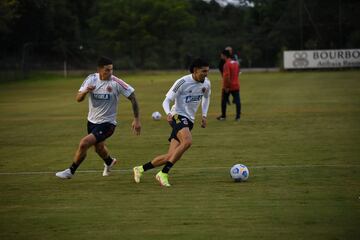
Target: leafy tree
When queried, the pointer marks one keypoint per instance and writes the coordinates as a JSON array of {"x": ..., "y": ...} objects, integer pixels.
[
  {"x": 142, "y": 29},
  {"x": 8, "y": 9},
  {"x": 167, "y": 33}
]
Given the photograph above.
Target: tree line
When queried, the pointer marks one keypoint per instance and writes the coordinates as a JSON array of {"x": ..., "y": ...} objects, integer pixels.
[{"x": 167, "y": 34}]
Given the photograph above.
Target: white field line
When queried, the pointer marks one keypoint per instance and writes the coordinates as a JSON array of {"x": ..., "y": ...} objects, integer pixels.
[{"x": 185, "y": 168}]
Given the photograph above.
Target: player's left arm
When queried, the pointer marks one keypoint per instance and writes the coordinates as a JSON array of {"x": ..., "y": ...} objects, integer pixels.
[
  {"x": 205, "y": 102},
  {"x": 136, "y": 125}
]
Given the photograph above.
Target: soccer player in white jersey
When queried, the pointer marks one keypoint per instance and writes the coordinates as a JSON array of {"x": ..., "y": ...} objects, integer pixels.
[
  {"x": 187, "y": 92},
  {"x": 104, "y": 90}
]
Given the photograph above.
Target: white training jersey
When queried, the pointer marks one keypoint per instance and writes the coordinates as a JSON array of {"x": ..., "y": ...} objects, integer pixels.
[
  {"x": 188, "y": 93},
  {"x": 103, "y": 100}
]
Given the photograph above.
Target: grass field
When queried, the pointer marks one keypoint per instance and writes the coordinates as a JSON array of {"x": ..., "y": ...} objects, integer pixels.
[{"x": 299, "y": 136}]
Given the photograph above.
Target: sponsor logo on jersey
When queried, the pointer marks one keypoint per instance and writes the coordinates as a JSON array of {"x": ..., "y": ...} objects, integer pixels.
[
  {"x": 101, "y": 96},
  {"x": 196, "y": 98}
]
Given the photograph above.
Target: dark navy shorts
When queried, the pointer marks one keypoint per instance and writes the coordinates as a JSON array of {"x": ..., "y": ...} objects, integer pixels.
[
  {"x": 101, "y": 131},
  {"x": 179, "y": 122}
]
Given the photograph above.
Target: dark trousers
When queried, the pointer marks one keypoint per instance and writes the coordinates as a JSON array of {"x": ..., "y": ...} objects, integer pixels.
[{"x": 236, "y": 100}]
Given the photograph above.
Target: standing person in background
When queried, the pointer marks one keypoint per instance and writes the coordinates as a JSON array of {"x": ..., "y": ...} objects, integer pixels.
[
  {"x": 230, "y": 85},
  {"x": 233, "y": 56},
  {"x": 221, "y": 67},
  {"x": 187, "y": 92},
  {"x": 104, "y": 90}
]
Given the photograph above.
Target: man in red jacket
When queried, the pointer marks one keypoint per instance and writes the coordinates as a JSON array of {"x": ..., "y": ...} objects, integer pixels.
[{"x": 230, "y": 85}]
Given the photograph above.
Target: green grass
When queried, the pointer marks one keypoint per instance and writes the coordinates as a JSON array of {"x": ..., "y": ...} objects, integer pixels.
[{"x": 299, "y": 136}]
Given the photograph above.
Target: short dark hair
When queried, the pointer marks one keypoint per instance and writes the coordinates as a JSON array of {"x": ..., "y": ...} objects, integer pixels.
[
  {"x": 226, "y": 53},
  {"x": 103, "y": 61},
  {"x": 198, "y": 63}
]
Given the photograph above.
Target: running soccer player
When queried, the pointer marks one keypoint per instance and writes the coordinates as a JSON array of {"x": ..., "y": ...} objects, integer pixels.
[
  {"x": 104, "y": 90},
  {"x": 187, "y": 92}
]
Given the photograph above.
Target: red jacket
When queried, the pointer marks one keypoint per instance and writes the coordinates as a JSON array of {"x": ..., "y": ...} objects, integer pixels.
[{"x": 230, "y": 75}]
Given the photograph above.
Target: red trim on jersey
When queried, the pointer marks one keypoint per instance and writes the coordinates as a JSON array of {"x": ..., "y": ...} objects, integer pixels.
[{"x": 120, "y": 82}]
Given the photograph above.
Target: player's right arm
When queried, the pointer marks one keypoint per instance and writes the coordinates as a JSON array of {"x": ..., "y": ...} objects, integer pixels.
[
  {"x": 166, "y": 107},
  {"x": 170, "y": 96},
  {"x": 80, "y": 96},
  {"x": 86, "y": 87},
  {"x": 226, "y": 77}
]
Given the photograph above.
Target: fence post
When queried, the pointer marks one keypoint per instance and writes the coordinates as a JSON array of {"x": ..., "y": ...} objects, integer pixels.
[{"x": 65, "y": 69}]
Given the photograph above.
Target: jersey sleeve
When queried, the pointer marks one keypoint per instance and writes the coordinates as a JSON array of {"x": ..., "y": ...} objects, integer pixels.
[
  {"x": 123, "y": 88},
  {"x": 89, "y": 81},
  {"x": 208, "y": 90},
  {"x": 175, "y": 89},
  {"x": 206, "y": 100},
  {"x": 166, "y": 105}
]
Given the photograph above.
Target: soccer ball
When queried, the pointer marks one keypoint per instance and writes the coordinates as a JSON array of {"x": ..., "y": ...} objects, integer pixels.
[
  {"x": 156, "y": 116},
  {"x": 239, "y": 172}
]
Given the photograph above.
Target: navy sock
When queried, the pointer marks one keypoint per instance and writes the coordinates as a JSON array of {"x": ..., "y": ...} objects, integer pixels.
[
  {"x": 73, "y": 168},
  {"x": 108, "y": 160},
  {"x": 148, "y": 166},
  {"x": 167, "y": 167}
]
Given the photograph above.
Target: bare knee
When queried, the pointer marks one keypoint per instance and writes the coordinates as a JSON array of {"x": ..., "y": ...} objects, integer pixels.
[
  {"x": 187, "y": 143},
  {"x": 84, "y": 145}
]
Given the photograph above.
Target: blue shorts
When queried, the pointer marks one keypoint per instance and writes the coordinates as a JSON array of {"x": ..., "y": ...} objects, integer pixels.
[
  {"x": 179, "y": 122},
  {"x": 101, "y": 131}
]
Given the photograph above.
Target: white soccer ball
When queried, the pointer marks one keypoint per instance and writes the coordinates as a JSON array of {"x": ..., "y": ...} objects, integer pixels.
[
  {"x": 156, "y": 116},
  {"x": 239, "y": 172}
]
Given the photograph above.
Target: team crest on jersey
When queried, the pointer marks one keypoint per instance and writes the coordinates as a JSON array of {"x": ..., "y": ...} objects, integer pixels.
[
  {"x": 203, "y": 89},
  {"x": 109, "y": 89}
]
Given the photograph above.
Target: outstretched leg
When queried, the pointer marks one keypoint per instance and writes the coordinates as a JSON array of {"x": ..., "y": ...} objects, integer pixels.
[
  {"x": 80, "y": 155},
  {"x": 156, "y": 162},
  {"x": 84, "y": 145},
  {"x": 185, "y": 141}
]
